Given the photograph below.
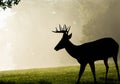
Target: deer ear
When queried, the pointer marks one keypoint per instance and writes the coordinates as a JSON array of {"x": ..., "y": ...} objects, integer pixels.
[{"x": 70, "y": 36}]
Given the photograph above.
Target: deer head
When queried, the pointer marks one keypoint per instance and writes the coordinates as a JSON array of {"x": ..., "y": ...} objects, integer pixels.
[{"x": 65, "y": 38}]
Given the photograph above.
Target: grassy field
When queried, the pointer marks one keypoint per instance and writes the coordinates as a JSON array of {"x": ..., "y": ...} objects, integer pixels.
[{"x": 59, "y": 75}]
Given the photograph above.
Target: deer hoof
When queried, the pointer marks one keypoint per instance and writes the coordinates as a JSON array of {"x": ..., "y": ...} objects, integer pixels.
[
  {"x": 119, "y": 78},
  {"x": 77, "y": 82}
]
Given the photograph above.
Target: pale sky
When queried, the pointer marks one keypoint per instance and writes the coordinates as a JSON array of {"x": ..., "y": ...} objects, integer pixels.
[{"x": 27, "y": 40}]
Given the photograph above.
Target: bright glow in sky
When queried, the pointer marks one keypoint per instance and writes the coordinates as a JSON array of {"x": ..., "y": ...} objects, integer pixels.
[
  {"x": 6, "y": 59},
  {"x": 4, "y": 15}
]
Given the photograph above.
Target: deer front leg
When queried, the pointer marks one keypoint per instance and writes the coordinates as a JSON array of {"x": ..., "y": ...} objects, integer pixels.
[
  {"x": 82, "y": 68},
  {"x": 92, "y": 66}
]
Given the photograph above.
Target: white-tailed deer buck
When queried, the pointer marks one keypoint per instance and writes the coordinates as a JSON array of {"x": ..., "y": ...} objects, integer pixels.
[{"x": 90, "y": 52}]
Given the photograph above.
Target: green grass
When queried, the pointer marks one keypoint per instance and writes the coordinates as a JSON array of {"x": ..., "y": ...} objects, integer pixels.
[{"x": 59, "y": 75}]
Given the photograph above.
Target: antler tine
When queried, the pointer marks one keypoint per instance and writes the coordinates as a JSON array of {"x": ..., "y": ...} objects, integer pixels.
[
  {"x": 60, "y": 27},
  {"x": 68, "y": 28},
  {"x": 65, "y": 28},
  {"x": 56, "y": 29}
]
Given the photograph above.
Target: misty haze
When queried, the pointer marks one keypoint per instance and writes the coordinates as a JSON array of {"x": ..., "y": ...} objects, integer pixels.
[{"x": 27, "y": 40}]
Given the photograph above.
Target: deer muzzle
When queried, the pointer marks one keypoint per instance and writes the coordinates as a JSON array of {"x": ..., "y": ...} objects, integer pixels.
[{"x": 56, "y": 49}]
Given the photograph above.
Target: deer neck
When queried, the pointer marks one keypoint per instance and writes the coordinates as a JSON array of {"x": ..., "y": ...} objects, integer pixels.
[{"x": 70, "y": 48}]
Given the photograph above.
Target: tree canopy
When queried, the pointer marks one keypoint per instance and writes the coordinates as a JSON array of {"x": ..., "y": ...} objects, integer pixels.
[{"x": 8, "y": 3}]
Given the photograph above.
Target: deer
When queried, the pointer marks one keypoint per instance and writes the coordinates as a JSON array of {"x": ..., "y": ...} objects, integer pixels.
[{"x": 88, "y": 53}]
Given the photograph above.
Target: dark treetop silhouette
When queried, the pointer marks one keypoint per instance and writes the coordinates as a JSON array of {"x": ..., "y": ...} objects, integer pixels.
[
  {"x": 8, "y": 3},
  {"x": 87, "y": 53}
]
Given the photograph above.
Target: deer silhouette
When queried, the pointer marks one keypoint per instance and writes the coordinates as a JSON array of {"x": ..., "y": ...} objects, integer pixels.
[{"x": 90, "y": 52}]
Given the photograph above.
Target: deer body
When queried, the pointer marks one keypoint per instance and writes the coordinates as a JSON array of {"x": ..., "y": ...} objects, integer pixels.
[{"x": 90, "y": 52}]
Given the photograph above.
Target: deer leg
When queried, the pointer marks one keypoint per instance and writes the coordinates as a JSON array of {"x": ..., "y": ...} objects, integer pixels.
[
  {"x": 82, "y": 68},
  {"x": 92, "y": 66},
  {"x": 107, "y": 67},
  {"x": 116, "y": 64}
]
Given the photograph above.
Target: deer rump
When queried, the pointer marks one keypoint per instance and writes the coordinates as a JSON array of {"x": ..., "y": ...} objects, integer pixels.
[{"x": 97, "y": 50}]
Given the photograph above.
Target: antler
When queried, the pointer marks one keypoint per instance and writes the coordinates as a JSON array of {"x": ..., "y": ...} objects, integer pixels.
[{"x": 63, "y": 29}]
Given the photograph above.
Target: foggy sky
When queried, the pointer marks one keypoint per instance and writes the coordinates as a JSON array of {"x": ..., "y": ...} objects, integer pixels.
[
  {"x": 106, "y": 23},
  {"x": 29, "y": 35}
]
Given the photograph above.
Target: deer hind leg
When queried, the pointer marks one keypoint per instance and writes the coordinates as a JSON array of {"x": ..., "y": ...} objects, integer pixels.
[
  {"x": 107, "y": 68},
  {"x": 92, "y": 66},
  {"x": 116, "y": 65},
  {"x": 82, "y": 68}
]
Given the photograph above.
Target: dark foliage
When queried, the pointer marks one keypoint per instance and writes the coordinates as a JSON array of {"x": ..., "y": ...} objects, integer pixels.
[{"x": 8, "y": 3}]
